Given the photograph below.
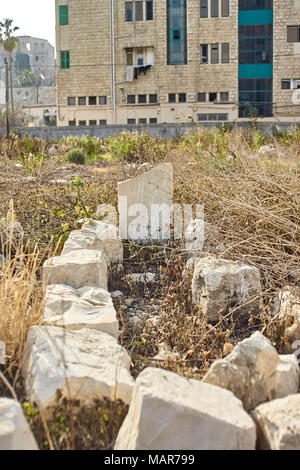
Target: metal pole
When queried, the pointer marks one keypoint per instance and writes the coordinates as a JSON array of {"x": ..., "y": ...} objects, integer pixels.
[{"x": 7, "y": 98}]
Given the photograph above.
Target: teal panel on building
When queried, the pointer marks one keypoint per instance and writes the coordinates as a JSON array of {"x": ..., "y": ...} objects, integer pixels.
[
  {"x": 256, "y": 71},
  {"x": 256, "y": 17}
]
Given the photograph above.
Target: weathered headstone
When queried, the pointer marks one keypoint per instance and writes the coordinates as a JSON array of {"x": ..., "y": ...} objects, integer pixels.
[{"x": 145, "y": 204}]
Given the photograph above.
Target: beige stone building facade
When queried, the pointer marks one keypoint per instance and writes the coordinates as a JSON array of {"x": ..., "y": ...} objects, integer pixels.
[{"x": 168, "y": 61}]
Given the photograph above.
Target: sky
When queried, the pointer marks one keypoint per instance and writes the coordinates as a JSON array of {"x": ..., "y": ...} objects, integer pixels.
[{"x": 34, "y": 17}]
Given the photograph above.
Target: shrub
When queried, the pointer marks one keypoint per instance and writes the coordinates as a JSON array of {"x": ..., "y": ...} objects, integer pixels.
[{"x": 76, "y": 156}]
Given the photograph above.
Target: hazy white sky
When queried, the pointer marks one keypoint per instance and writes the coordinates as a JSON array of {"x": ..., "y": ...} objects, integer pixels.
[{"x": 34, "y": 17}]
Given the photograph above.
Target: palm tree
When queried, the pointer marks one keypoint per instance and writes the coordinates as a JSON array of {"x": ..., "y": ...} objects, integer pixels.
[{"x": 9, "y": 42}]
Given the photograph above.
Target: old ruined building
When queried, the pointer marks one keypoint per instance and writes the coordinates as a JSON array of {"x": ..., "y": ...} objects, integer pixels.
[{"x": 168, "y": 61}]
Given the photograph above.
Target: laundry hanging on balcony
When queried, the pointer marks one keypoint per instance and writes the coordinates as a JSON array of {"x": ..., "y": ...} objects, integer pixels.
[{"x": 140, "y": 69}]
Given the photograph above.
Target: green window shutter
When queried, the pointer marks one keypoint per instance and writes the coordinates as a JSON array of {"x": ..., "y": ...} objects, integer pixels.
[
  {"x": 64, "y": 59},
  {"x": 63, "y": 13}
]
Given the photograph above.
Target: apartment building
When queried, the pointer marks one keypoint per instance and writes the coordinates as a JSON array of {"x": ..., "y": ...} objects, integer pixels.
[
  {"x": 166, "y": 61},
  {"x": 34, "y": 54}
]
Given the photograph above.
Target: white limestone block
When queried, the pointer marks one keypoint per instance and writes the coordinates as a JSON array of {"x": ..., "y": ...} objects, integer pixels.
[
  {"x": 278, "y": 424},
  {"x": 82, "y": 365},
  {"x": 218, "y": 284},
  {"x": 77, "y": 269},
  {"x": 88, "y": 307},
  {"x": 288, "y": 376},
  {"x": 169, "y": 412},
  {"x": 15, "y": 433},
  {"x": 249, "y": 371}
]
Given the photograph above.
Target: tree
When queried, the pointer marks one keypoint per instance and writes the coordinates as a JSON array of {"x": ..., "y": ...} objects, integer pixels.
[
  {"x": 26, "y": 78},
  {"x": 9, "y": 42}
]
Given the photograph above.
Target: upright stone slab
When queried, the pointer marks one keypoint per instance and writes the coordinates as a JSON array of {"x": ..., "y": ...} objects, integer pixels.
[
  {"x": 138, "y": 203},
  {"x": 169, "y": 412},
  {"x": 15, "y": 433},
  {"x": 89, "y": 307},
  {"x": 81, "y": 365},
  {"x": 77, "y": 269}
]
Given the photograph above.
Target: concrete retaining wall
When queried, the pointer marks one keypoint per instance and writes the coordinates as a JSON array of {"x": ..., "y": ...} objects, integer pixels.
[{"x": 164, "y": 131}]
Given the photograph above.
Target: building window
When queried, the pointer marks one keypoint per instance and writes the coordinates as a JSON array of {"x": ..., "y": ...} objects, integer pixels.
[
  {"x": 153, "y": 98},
  {"x": 201, "y": 97},
  {"x": 131, "y": 99},
  {"x": 140, "y": 56},
  {"x": 139, "y": 11},
  {"x": 72, "y": 123},
  {"x": 63, "y": 13},
  {"x": 255, "y": 4},
  {"x": 92, "y": 100},
  {"x": 285, "y": 84},
  {"x": 225, "y": 8},
  {"x": 296, "y": 84},
  {"x": 215, "y": 53},
  {"x": 172, "y": 98},
  {"x": 82, "y": 123},
  {"x": 293, "y": 34},
  {"x": 204, "y": 53},
  {"x": 213, "y": 97},
  {"x": 142, "y": 121},
  {"x": 224, "y": 96},
  {"x": 128, "y": 11},
  {"x": 71, "y": 101},
  {"x": 102, "y": 122},
  {"x": 177, "y": 32},
  {"x": 142, "y": 99},
  {"x": 153, "y": 120},
  {"x": 214, "y": 8},
  {"x": 102, "y": 100},
  {"x": 256, "y": 44},
  {"x": 131, "y": 121},
  {"x": 225, "y": 53},
  {"x": 92, "y": 123},
  {"x": 213, "y": 117},
  {"x": 82, "y": 100},
  {"x": 203, "y": 8},
  {"x": 64, "y": 59},
  {"x": 149, "y": 10},
  {"x": 255, "y": 94},
  {"x": 182, "y": 97}
]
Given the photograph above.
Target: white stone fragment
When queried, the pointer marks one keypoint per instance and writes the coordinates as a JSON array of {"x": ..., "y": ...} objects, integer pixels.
[
  {"x": 15, "y": 433},
  {"x": 169, "y": 412},
  {"x": 288, "y": 376},
  {"x": 82, "y": 365},
  {"x": 140, "y": 277},
  {"x": 218, "y": 284},
  {"x": 77, "y": 269},
  {"x": 278, "y": 424},
  {"x": 249, "y": 371},
  {"x": 88, "y": 307},
  {"x": 2, "y": 353},
  {"x": 138, "y": 203}
]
